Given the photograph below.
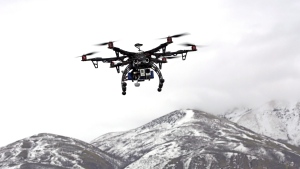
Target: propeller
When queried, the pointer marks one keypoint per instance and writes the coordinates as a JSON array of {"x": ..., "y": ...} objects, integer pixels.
[
  {"x": 172, "y": 57},
  {"x": 88, "y": 54},
  {"x": 105, "y": 43},
  {"x": 190, "y": 44},
  {"x": 177, "y": 36}
]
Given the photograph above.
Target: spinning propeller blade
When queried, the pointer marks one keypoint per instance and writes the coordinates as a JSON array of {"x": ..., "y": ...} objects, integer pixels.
[
  {"x": 177, "y": 36},
  {"x": 172, "y": 57},
  {"x": 105, "y": 43},
  {"x": 88, "y": 54},
  {"x": 190, "y": 44}
]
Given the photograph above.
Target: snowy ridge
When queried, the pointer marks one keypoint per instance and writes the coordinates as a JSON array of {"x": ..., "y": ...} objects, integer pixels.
[
  {"x": 54, "y": 151},
  {"x": 276, "y": 119},
  {"x": 183, "y": 139},
  {"x": 107, "y": 136},
  {"x": 195, "y": 139}
]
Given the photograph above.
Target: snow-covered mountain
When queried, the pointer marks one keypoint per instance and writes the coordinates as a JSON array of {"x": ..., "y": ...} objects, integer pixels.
[
  {"x": 276, "y": 119},
  {"x": 49, "y": 151},
  {"x": 191, "y": 139},
  {"x": 183, "y": 139}
]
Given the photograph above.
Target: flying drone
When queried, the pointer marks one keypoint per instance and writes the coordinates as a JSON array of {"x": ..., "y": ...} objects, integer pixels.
[{"x": 141, "y": 64}]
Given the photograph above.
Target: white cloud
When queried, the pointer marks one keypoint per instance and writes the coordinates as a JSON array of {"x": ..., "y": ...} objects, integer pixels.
[{"x": 251, "y": 57}]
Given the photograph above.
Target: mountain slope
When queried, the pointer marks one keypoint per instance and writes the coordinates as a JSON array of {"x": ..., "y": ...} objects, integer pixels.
[
  {"x": 276, "y": 119},
  {"x": 49, "y": 151},
  {"x": 195, "y": 139}
]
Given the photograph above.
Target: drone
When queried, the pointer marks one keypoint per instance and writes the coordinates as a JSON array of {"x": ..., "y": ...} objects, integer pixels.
[{"x": 140, "y": 65}]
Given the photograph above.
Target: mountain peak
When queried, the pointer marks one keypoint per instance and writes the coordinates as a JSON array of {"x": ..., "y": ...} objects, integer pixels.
[
  {"x": 278, "y": 119},
  {"x": 276, "y": 104},
  {"x": 190, "y": 138},
  {"x": 175, "y": 118},
  {"x": 47, "y": 150}
]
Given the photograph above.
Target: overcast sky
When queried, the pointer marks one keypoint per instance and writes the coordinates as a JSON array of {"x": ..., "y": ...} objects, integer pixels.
[{"x": 251, "y": 57}]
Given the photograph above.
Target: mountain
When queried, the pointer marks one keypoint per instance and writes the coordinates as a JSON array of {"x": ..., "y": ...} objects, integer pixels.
[
  {"x": 276, "y": 119},
  {"x": 192, "y": 139},
  {"x": 49, "y": 151}
]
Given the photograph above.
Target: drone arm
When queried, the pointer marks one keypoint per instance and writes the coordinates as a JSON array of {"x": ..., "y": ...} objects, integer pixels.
[
  {"x": 105, "y": 60},
  {"x": 123, "y": 52},
  {"x": 183, "y": 53},
  {"x": 158, "y": 60},
  {"x": 161, "y": 46},
  {"x": 172, "y": 54},
  {"x": 94, "y": 61},
  {"x": 117, "y": 66}
]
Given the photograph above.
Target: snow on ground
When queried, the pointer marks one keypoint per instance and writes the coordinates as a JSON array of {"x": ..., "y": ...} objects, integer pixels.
[
  {"x": 280, "y": 156},
  {"x": 221, "y": 133},
  {"x": 236, "y": 113},
  {"x": 262, "y": 151},
  {"x": 158, "y": 157},
  {"x": 186, "y": 163},
  {"x": 251, "y": 157},
  {"x": 241, "y": 148},
  {"x": 276, "y": 119},
  {"x": 220, "y": 142},
  {"x": 187, "y": 118},
  {"x": 247, "y": 137},
  {"x": 282, "y": 145},
  {"x": 232, "y": 138},
  {"x": 210, "y": 159},
  {"x": 164, "y": 139}
]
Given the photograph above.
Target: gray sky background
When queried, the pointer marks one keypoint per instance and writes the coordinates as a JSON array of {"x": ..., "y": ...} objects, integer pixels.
[{"x": 252, "y": 56}]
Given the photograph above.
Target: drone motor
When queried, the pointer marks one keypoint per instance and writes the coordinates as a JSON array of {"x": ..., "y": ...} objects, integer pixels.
[
  {"x": 110, "y": 45},
  {"x": 169, "y": 40},
  {"x": 83, "y": 58}
]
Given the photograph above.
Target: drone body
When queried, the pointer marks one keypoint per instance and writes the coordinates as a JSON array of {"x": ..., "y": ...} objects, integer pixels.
[{"x": 140, "y": 65}]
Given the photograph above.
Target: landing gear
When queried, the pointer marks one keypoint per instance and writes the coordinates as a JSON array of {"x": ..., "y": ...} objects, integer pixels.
[
  {"x": 137, "y": 84},
  {"x": 161, "y": 83},
  {"x": 161, "y": 79},
  {"x": 124, "y": 84},
  {"x": 124, "y": 78}
]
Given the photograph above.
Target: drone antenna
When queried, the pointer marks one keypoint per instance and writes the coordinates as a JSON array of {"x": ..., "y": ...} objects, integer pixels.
[{"x": 138, "y": 45}]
